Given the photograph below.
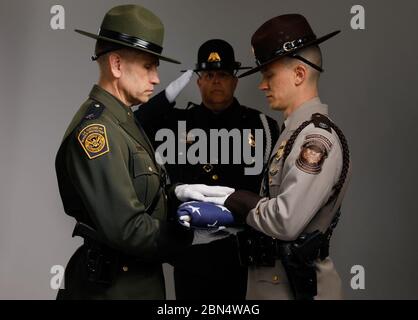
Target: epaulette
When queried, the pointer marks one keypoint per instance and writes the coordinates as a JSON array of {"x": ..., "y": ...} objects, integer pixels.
[
  {"x": 321, "y": 121},
  {"x": 93, "y": 111}
]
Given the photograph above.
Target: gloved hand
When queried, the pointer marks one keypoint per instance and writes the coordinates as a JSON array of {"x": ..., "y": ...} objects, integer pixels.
[
  {"x": 174, "y": 88},
  {"x": 204, "y": 215},
  {"x": 201, "y": 192},
  {"x": 217, "y": 200}
]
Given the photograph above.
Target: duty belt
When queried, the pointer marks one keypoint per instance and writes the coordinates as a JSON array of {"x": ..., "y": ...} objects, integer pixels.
[
  {"x": 103, "y": 262},
  {"x": 258, "y": 249}
]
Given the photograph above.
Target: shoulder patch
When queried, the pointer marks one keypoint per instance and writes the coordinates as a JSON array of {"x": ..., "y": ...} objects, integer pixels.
[
  {"x": 93, "y": 140},
  {"x": 313, "y": 153}
]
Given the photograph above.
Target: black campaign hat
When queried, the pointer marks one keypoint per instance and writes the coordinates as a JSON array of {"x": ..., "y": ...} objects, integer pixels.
[
  {"x": 283, "y": 36},
  {"x": 217, "y": 54}
]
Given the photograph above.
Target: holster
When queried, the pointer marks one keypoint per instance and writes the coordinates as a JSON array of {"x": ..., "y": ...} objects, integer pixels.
[
  {"x": 298, "y": 257},
  {"x": 101, "y": 261}
]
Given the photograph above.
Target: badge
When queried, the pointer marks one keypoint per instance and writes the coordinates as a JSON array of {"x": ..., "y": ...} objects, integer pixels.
[
  {"x": 208, "y": 167},
  {"x": 187, "y": 138},
  {"x": 280, "y": 151},
  {"x": 313, "y": 153},
  {"x": 251, "y": 140},
  {"x": 190, "y": 138},
  {"x": 93, "y": 139},
  {"x": 214, "y": 57},
  {"x": 274, "y": 170}
]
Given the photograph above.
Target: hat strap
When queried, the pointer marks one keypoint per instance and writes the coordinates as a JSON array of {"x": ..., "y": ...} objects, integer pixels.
[
  {"x": 313, "y": 65},
  {"x": 131, "y": 40},
  {"x": 287, "y": 47}
]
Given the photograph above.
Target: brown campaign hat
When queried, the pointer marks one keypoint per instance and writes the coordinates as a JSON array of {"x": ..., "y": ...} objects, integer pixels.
[
  {"x": 282, "y": 36},
  {"x": 132, "y": 26}
]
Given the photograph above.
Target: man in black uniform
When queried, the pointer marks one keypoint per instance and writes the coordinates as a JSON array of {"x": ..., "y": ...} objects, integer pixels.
[{"x": 211, "y": 268}]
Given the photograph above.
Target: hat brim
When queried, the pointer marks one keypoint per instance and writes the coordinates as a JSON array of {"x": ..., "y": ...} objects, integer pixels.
[
  {"x": 311, "y": 43},
  {"x": 210, "y": 69},
  {"x": 95, "y": 36}
]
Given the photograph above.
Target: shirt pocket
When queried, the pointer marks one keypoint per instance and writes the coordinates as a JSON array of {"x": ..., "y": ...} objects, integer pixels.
[{"x": 145, "y": 177}]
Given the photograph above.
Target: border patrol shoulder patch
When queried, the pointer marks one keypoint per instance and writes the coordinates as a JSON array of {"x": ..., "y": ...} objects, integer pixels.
[
  {"x": 93, "y": 140},
  {"x": 313, "y": 153}
]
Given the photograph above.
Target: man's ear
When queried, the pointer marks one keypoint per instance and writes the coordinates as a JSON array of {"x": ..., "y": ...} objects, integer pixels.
[
  {"x": 300, "y": 73},
  {"x": 115, "y": 62}
]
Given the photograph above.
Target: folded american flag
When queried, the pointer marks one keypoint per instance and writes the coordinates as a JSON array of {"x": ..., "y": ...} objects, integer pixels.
[{"x": 205, "y": 215}]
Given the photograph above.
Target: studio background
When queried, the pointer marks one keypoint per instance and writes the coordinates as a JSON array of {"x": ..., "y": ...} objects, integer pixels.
[{"x": 369, "y": 84}]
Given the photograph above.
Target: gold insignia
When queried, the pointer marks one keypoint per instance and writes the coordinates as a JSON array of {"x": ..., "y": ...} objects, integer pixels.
[
  {"x": 313, "y": 154},
  {"x": 274, "y": 170},
  {"x": 214, "y": 57},
  {"x": 251, "y": 140},
  {"x": 93, "y": 139},
  {"x": 280, "y": 151},
  {"x": 208, "y": 167},
  {"x": 190, "y": 138}
]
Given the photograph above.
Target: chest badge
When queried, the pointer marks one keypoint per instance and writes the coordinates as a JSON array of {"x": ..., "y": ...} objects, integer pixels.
[
  {"x": 251, "y": 140},
  {"x": 280, "y": 151},
  {"x": 190, "y": 138}
]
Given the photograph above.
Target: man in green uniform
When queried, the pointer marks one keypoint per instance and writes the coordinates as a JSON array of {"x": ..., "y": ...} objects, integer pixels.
[{"x": 108, "y": 178}]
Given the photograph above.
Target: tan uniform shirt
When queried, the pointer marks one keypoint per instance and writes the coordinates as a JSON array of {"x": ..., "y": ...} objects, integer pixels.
[{"x": 298, "y": 189}]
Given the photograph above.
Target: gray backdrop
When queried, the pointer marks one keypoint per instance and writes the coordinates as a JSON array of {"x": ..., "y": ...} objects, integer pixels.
[{"x": 369, "y": 84}]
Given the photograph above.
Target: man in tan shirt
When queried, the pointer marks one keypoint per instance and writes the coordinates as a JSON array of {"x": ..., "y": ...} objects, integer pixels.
[{"x": 306, "y": 177}]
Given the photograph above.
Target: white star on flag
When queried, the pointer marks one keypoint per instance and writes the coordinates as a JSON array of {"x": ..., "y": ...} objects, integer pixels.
[
  {"x": 221, "y": 207},
  {"x": 194, "y": 209},
  {"x": 212, "y": 225}
]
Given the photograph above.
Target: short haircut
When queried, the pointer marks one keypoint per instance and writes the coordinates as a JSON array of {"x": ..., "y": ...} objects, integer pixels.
[{"x": 312, "y": 54}]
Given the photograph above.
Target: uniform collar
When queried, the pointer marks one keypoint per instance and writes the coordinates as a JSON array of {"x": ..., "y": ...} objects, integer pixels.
[
  {"x": 304, "y": 112},
  {"x": 112, "y": 104},
  {"x": 225, "y": 113}
]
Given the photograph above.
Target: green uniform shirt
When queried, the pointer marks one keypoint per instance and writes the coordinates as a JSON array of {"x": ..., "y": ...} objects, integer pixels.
[{"x": 108, "y": 177}]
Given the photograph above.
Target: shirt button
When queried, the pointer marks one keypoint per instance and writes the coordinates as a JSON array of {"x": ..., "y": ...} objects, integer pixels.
[
  {"x": 215, "y": 177},
  {"x": 275, "y": 278},
  {"x": 125, "y": 268},
  {"x": 150, "y": 169}
]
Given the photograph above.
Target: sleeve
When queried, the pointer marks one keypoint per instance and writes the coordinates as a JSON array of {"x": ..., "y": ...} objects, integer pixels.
[
  {"x": 107, "y": 191},
  {"x": 152, "y": 115},
  {"x": 309, "y": 174}
]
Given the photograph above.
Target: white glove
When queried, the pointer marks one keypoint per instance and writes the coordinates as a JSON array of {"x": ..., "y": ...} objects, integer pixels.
[
  {"x": 201, "y": 192},
  {"x": 174, "y": 88},
  {"x": 217, "y": 200}
]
